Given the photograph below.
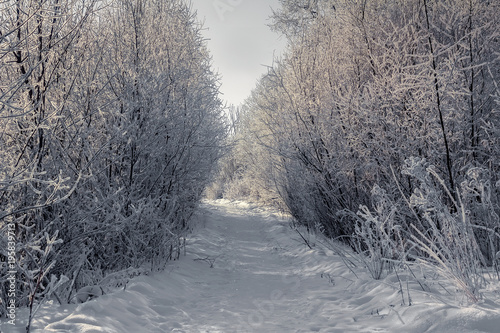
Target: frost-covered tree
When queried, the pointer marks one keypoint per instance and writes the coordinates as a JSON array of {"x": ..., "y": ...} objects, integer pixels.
[
  {"x": 41, "y": 43},
  {"x": 161, "y": 128},
  {"x": 363, "y": 86},
  {"x": 111, "y": 124}
]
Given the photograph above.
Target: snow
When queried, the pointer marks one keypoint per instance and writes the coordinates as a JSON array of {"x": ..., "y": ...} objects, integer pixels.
[{"x": 246, "y": 270}]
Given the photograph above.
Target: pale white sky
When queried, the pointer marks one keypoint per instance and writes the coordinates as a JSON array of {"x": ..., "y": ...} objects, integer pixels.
[{"x": 240, "y": 42}]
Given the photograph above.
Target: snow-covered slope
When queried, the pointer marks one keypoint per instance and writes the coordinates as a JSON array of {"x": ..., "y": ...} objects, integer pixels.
[{"x": 247, "y": 271}]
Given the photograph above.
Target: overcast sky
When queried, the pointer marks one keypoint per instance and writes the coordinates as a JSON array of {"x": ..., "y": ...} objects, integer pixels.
[{"x": 240, "y": 42}]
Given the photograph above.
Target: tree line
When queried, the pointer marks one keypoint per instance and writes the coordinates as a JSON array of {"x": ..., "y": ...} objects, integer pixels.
[
  {"x": 110, "y": 122},
  {"x": 380, "y": 126}
]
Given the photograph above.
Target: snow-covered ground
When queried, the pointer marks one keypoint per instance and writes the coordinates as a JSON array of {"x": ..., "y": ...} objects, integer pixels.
[{"x": 246, "y": 270}]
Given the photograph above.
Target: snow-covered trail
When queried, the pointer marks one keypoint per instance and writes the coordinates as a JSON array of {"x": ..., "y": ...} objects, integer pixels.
[
  {"x": 247, "y": 271},
  {"x": 243, "y": 272}
]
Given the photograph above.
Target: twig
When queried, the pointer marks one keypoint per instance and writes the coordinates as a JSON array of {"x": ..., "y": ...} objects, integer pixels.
[
  {"x": 305, "y": 240},
  {"x": 400, "y": 287},
  {"x": 211, "y": 261}
]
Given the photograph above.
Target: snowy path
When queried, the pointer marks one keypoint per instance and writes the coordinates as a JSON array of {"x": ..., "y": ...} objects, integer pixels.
[{"x": 263, "y": 279}]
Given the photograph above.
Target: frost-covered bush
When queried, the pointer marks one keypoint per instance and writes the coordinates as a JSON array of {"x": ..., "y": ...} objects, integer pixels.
[
  {"x": 448, "y": 241},
  {"x": 440, "y": 229},
  {"x": 480, "y": 196},
  {"x": 378, "y": 236}
]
